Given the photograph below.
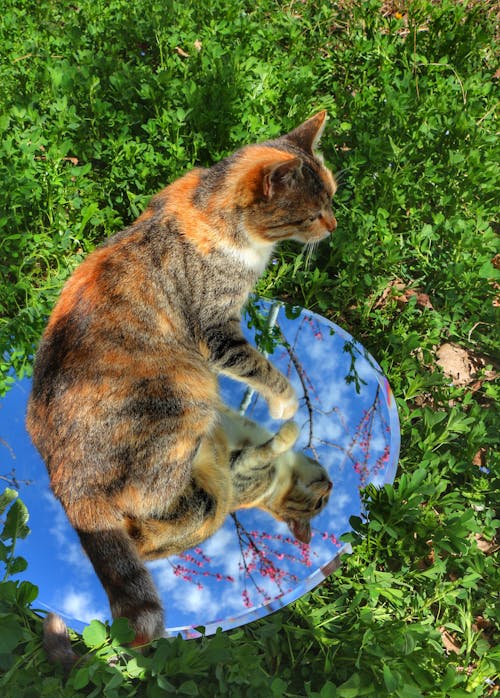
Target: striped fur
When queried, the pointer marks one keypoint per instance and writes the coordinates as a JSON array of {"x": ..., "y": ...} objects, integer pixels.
[{"x": 125, "y": 377}]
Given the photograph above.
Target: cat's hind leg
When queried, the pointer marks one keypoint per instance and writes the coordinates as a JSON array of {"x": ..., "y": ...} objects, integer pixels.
[{"x": 189, "y": 521}]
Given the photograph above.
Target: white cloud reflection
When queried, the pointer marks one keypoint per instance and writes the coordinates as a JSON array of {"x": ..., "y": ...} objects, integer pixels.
[
  {"x": 68, "y": 549},
  {"x": 80, "y": 605}
]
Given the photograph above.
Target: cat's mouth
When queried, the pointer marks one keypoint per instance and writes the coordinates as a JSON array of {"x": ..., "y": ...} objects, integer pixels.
[
  {"x": 300, "y": 529},
  {"x": 321, "y": 235},
  {"x": 311, "y": 238},
  {"x": 292, "y": 231}
]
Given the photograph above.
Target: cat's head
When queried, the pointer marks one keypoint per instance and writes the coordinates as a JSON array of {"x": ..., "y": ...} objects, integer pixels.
[
  {"x": 304, "y": 496},
  {"x": 285, "y": 188}
]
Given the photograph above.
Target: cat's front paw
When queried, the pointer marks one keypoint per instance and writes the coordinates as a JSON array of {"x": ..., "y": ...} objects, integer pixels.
[
  {"x": 284, "y": 407},
  {"x": 286, "y": 437}
]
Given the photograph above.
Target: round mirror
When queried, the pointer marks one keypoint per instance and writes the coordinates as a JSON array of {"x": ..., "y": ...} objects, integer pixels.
[{"x": 253, "y": 565}]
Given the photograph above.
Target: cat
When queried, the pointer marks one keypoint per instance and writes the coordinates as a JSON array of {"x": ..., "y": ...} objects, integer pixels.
[
  {"x": 125, "y": 377},
  {"x": 238, "y": 465}
]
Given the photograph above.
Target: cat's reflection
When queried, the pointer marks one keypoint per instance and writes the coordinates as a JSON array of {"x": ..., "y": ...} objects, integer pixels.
[{"x": 239, "y": 465}]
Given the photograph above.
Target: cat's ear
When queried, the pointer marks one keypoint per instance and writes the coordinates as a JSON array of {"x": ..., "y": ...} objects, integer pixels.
[
  {"x": 301, "y": 530},
  {"x": 307, "y": 135},
  {"x": 279, "y": 174}
]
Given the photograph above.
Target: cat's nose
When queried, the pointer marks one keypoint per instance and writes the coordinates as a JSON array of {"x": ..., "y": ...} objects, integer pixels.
[{"x": 330, "y": 222}]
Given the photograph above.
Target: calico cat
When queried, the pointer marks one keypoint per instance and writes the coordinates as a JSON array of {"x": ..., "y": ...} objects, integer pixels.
[
  {"x": 238, "y": 465},
  {"x": 125, "y": 378}
]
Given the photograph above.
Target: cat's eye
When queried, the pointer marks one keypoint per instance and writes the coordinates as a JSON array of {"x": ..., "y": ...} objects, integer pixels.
[{"x": 314, "y": 217}]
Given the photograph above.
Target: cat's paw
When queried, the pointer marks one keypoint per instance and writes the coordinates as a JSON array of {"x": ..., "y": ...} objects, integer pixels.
[
  {"x": 284, "y": 407},
  {"x": 286, "y": 437}
]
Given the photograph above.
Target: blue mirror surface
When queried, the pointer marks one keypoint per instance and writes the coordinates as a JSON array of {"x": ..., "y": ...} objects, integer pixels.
[{"x": 252, "y": 566}]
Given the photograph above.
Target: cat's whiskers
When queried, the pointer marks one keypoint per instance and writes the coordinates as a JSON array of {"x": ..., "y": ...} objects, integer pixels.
[
  {"x": 341, "y": 176},
  {"x": 310, "y": 250}
]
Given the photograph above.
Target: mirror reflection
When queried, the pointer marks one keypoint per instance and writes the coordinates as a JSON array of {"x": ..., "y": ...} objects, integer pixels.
[{"x": 254, "y": 564}]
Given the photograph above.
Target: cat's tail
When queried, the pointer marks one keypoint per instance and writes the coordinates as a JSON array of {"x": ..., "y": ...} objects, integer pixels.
[
  {"x": 127, "y": 582},
  {"x": 130, "y": 590},
  {"x": 57, "y": 644}
]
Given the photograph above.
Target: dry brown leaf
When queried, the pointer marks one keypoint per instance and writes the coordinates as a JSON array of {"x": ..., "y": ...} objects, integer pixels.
[
  {"x": 482, "y": 623},
  {"x": 480, "y": 457},
  {"x": 398, "y": 290},
  {"x": 496, "y": 300},
  {"x": 455, "y": 363},
  {"x": 449, "y": 642},
  {"x": 423, "y": 301},
  {"x": 424, "y": 400},
  {"x": 461, "y": 366},
  {"x": 396, "y": 284},
  {"x": 198, "y": 45},
  {"x": 486, "y": 546},
  {"x": 72, "y": 160},
  {"x": 427, "y": 561},
  {"x": 180, "y": 52}
]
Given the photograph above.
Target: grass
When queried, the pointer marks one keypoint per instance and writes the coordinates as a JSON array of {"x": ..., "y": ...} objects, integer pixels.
[{"x": 102, "y": 104}]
